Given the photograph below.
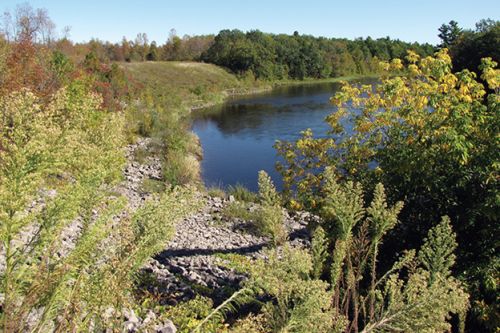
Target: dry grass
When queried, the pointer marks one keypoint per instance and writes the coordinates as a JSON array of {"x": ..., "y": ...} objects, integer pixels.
[{"x": 186, "y": 84}]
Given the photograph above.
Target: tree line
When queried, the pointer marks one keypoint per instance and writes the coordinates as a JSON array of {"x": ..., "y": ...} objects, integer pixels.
[
  {"x": 263, "y": 55},
  {"x": 468, "y": 46},
  {"x": 269, "y": 56}
]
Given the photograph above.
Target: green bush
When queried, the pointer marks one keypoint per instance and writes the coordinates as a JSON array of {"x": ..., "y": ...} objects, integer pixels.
[
  {"x": 270, "y": 221},
  {"x": 300, "y": 304},
  {"x": 267, "y": 192}
]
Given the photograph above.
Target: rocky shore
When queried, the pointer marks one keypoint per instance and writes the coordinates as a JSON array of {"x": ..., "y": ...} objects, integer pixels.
[
  {"x": 192, "y": 258},
  {"x": 192, "y": 263}
]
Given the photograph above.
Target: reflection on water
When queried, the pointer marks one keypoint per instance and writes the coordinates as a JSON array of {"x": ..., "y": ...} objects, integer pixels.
[{"x": 238, "y": 136}]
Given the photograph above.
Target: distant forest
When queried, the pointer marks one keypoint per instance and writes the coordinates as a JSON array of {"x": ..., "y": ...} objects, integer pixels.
[
  {"x": 276, "y": 57},
  {"x": 263, "y": 55}
]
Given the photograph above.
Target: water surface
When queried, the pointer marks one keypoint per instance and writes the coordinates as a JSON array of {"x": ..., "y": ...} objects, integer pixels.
[{"x": 238, "y": 137}]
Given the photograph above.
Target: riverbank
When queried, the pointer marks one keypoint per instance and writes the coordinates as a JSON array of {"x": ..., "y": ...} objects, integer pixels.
[
  {"x": 327, "y": 80},
  {"x": 170, "y": 92}
]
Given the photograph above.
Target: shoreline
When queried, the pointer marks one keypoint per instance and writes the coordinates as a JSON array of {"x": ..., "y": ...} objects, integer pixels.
[
  {"x": 225, "y": 95},
  {"x": 233, "y": 92}
]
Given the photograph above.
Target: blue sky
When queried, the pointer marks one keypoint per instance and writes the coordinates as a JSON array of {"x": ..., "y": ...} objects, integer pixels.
[{"x": 416, "y": 20}]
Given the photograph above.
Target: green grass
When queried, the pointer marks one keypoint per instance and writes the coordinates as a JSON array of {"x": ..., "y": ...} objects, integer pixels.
[
  {"x": 241, "y": 193},
  {"x": 153, "y": 186},
  {"x": 186, "y": 84},
  {"x": 216, "y": 191},
  {"x": 240, "y": 210}
]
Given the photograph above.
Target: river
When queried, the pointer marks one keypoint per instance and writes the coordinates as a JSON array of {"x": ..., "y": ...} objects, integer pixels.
[{"x": 237, "y": 137}]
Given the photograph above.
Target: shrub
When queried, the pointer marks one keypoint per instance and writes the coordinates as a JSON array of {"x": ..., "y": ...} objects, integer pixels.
[
  {"x": 417, "y": 294},
  {"x": 267, "y": 217},
  {"x": 188, "y": 315},
  {"x": 271, "y": 220},
  {"x": 299, "y": 304},
  {"x": 267, "y": 192},
  {"x": 181, "y": 169}
]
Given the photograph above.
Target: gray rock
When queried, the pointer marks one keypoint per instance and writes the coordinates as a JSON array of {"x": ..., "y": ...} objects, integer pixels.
[
  {"x": 166, "y": 327},
  {"x": 130, "y": 316},
  {"x": 150, "y": 318}
]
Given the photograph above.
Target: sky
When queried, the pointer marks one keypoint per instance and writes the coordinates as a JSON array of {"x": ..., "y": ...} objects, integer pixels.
[{"x": 110, "y": 20}]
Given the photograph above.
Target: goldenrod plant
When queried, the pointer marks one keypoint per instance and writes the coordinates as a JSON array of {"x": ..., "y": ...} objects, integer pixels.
[
  {"x": 417, "y": 294},
  {"x": 70, "y": 246}
]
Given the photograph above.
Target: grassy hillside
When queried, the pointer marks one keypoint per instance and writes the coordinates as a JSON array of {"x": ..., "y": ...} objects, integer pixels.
[{"x": 188, "y": 84}]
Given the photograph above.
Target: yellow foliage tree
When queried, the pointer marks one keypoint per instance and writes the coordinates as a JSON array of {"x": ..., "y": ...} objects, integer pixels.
[{"x": 430, "y": 136}]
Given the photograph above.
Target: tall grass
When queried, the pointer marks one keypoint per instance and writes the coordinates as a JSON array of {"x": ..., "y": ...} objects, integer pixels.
[
  {"x": 216, "y": 191},
  {"x": 241, "y": 193}
]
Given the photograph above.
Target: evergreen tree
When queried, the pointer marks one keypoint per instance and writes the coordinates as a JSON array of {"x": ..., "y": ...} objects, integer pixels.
[{"x": 449, "y": 33}]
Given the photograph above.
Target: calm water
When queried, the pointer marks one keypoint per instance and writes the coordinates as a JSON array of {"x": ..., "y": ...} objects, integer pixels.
[{"x": 238, "y": 136}]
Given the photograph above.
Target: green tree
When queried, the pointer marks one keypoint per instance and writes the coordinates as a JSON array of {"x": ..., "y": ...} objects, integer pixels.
[
  {"x": 61, "y": 66},
  {"x": 485, "y": 25},
  {"x": 449, "y": 33},
  {"x": 153, "y": 54},
  {"x": 472, "y": 46},
  {"x": 298, "y": 56}
]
